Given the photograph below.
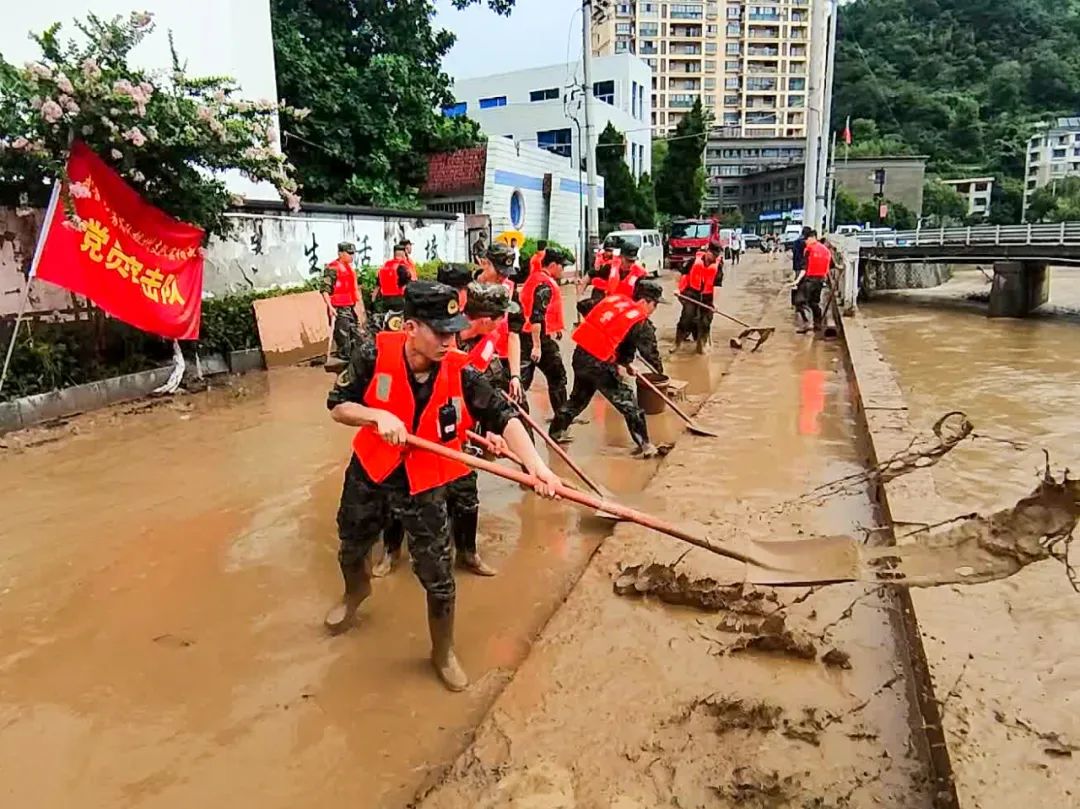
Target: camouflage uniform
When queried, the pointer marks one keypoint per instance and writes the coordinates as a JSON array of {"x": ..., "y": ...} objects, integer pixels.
[
  {"x": 550, "y": 363},
  {"x": 346, "y": 323},
  {"x": 368, "y": 508},
  {"x": 592, "y": 375}
]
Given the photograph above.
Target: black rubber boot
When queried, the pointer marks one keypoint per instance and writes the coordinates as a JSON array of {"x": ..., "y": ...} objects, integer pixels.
[
  {"x": 465, "y": 526},
  {"x": 441, "y": 627},
  {"x": 357, "y": 588}
]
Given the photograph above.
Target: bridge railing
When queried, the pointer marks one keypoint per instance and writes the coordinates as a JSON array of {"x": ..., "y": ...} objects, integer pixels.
[{"x": 1058, "y": 233}]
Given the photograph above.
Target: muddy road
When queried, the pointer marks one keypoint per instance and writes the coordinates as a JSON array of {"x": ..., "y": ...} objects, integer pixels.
[{"x": 164, "y": 570}]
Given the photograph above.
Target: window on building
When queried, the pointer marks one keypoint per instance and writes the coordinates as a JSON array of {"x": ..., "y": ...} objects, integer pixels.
[
  {"x": 547, "y": 94},
  {"x": 796, "y": 84},
  {"x": 685, "y": 11},
  {"x": 731, "y": 84},
  {"x": 494, "y": 101},
  {"x": 734, "y": 12},
  {"x": 710, "y": 65},
  {"x": 633, "y": 99},
  {"x": 604, "y": 91},
  {"x": 1059, "y": 154},
  {"x": 732, "y": 100},
  {"x": 555, "y": 140},
  {"x": 732, "y": 49},
  {"x": 517, "y": 209},
  {"x": 796, "y": 101},
  {"x": 649, "y": 30},
  {"x": 641, "y": 103},
  {"x": 732, "y": 65},
  {"x": 455, "y": 110},
  {"x": 624, "y": 29}
]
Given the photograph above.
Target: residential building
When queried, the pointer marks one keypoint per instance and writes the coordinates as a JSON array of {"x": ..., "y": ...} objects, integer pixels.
[
  {"x": 1053, "y": 153},
  {"x": 976, "y": 191},
  {"x": 747, "y": 60},
  {"x": 543, "y": 107},
  {"x": 517, "y": 185},
  {"x": 727, "y": 159}
]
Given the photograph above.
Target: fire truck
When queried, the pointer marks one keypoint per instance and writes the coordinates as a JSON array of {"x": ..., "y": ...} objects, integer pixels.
[{"x": 688, "y": 237}]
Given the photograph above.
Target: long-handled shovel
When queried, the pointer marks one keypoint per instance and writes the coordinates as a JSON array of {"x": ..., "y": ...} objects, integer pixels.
[
  {"x": 489, "y": 447},
  {"x": 553, "y": 445},
  {"x": 758, "y": 333},
  {"x": 691, "y": 425},
  {"x": 591, "y": 501}
]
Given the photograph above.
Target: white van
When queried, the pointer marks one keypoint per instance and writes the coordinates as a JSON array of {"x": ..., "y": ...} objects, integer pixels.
[{"x": 649, "y": 244}]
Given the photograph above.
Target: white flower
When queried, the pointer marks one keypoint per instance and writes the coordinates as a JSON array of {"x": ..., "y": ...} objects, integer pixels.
[
  {"x": 19, "y": 144},
  {"x": 116, "y": 154},
  {"x": 35, "y": 103},
  {"x": 87, "y": 130},
  {"x": 90, "y": 68},
  {"x": 292, "y": 201},
  {"x": 64, "y": 84},
  {"x": 38, "y": 71},
  {"x": 69, "y": 105},
  {"x": 141, "y": 19},
  {"x": 272, "y": 135},
  {"x": 138, "y": 176},
  {"x": 51, "y": 111},
  {"x": 79, "y": 190}
]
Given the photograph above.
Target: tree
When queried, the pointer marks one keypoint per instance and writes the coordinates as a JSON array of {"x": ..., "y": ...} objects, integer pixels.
[
  {"x": 680, "y": 180},
  {"x": 1006, "y": 202},
  {"x": 943, "y": 204},
  {"x": 847, "y": 208},
  {"x": 731, "y": 219},
  {"x": 620, "y": 191},
  {"x": 646, "y": 202},
  {"x": 170, "y": 137},
  {"x": 371, "y": 73},
  {"x": 1057, "y": 202}
]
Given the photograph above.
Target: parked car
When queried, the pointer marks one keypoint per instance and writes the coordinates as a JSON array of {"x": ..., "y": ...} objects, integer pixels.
[
  {"x": 649, "y": 244},
  {"x": 849, "y": 230},
  {"x": 750, "y": 240},
  {"x": 790, "y": 235}
]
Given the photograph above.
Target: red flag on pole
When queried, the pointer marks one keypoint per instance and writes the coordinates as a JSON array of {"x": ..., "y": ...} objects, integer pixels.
[
  {"x": 133, "y": 260},
  {"x": 847, "y": 131}
]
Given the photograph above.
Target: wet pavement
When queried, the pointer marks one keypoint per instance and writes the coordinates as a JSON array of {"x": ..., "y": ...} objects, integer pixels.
[
  {"x": 1005, "y": 656},
  {"x": 164, "y": 570}
]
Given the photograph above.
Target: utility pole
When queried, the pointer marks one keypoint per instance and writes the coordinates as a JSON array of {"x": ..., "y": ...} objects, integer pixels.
[
  {"x": 592, "y": 225},
  {"x": 814, "y": 108},
  {"x": 824, "y": 175}
]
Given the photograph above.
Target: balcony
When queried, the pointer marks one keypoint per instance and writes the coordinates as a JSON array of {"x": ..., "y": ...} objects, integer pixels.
[
  {"x": 648, "y": 30},
  {"x": 758, "y": 32},
  {"x": 759, "y": 17},
  {"x": 766, "y": 51},
  {"x": 685, "y": 50},
  {"x": 684, "y": 84},
  {"x": 684, "y": 101},
  {"x": 762, "y": 68},
  {"x": 761, "y": 86},
  {"x": 683, "y": 68},
  {"x": 686, "y": 31},
  {"x": 684, "y": 12}
]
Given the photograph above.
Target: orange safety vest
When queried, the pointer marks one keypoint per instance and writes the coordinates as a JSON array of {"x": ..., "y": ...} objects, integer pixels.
[
  {"x": 818, "y": 260},
  {"x": 487, "y": 348},
  {"x": 390, "y": 390},
  {"x": 627, "y": 284},
  {"x": 388, "y": 279},
  {"x": 553, "y": 317},
  {"x": 410, "y": 265},
  {"x": 346, "y": 292},
  {"x": 607, "y": 324},
  {"x": 607, "y": 285},
  {"x": 537, "y": 261},
  {"x": 702, "y": 277}
]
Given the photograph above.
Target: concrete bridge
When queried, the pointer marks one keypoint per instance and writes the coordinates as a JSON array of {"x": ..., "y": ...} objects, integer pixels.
[{"x": 1022, "y": 256}]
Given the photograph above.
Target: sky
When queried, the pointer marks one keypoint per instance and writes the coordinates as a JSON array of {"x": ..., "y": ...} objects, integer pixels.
[{"x": 535, "y": 34}]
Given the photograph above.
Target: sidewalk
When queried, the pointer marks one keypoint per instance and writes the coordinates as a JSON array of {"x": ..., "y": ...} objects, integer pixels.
[{"x": 630, "y": 702}]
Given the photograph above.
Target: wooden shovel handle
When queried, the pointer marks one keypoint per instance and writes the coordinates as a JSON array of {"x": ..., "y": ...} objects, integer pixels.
[
  {"x": 715, "y": 311},
  {"x": 482, "y": 442},
  {"x": 586, "y": 499},
  {"x": 667, "y": 399}
]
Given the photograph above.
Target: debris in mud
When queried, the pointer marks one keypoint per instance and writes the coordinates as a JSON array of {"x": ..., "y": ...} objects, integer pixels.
[
  {"x": 736, "y": 714},
  {"x": 706, "y": 594},
  {"x": 836, "y": 659},
  {"x": 755, "y": 789},
  {"x": 789, "y": 643},
  {"x": 980, "y": 548},
  {"x": 921, "y": 453},
  {"x": 173, "y": 641}
]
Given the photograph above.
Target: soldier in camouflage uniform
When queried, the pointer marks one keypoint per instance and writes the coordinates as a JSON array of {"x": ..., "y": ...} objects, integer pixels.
[
  {"x": 414, "y": 374},
  {"x": 592, "y": 374},
  {"x": 340, "y": 289}
]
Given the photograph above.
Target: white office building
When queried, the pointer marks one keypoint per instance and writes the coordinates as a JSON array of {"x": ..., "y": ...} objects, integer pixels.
[
  {"x": 976, "y": 191},
  {"x": 543, "y": 106},
  {"x": 1053, "y": 154}
]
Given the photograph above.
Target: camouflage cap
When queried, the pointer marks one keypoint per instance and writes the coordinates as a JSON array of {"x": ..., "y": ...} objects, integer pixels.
[
  {"x": 630, "y": 250},
  {"x": 489, "y": 300},
  {"x": 455, "y": 275},
  {"x": 502, "y": 257},
  {"x": 346, "y": 247},
  {"x": 649, "y": 290},
  {"x": 554, "y": 256},
  {"x": 434, "y": 304}
]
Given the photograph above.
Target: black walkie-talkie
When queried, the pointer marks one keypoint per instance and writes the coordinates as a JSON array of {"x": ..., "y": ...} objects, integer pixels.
[{"x": 448, "y": 420}]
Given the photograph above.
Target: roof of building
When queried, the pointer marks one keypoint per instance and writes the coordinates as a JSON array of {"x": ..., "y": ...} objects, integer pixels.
[{"x": 965, "y": 180}]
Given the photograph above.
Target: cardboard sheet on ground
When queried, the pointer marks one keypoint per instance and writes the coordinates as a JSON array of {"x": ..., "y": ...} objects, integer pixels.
[{"x": 292, "y": 328}]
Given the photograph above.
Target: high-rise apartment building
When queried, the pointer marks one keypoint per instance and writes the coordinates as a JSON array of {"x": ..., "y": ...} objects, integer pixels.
[
  {"x": 746, "y": 61},
  {"x": 1053, "y": 154}
]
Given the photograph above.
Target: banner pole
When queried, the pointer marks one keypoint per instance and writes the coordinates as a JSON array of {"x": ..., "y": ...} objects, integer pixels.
[{"x": 50, "y": 212}]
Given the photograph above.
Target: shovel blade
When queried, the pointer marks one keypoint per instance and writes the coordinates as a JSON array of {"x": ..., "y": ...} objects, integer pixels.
[{"x": 802, "y": 562}]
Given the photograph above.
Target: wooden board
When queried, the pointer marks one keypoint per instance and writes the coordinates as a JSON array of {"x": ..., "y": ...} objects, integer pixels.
[{"x": 292, "y": 328}]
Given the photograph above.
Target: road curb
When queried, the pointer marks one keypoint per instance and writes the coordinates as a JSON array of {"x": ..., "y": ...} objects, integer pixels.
[{"x": 908, "y": 499}]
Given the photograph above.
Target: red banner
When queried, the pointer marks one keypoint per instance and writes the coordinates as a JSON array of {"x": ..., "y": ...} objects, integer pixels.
[{"x": 136, "y": 262}]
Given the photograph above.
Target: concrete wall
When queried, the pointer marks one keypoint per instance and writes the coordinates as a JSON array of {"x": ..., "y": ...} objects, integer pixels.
[
  {"x": 272, "y": 248},
  {"x": 268, "y": 248},
  {"x": 523, "y": 118},
  {"x": 215, "y": 38},
  {"x": 521, "y": 169}
]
